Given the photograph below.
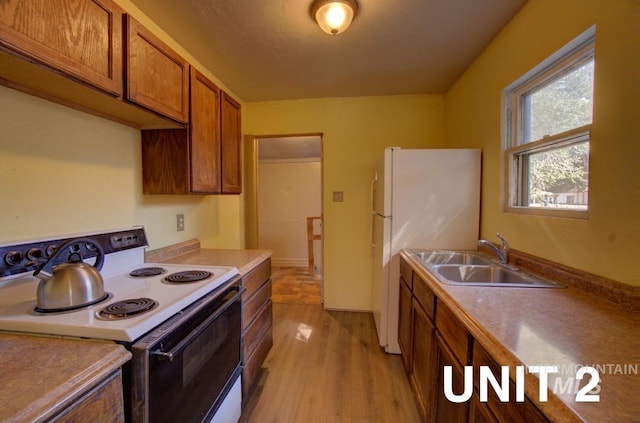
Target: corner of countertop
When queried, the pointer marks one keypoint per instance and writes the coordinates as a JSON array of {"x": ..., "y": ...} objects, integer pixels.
[{"x": 171, "y": 251}]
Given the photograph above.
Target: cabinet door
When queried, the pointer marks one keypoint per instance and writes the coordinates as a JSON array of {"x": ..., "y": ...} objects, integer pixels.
[
  {"x": 204, "y": 135},
  {"x": 423, "y": 370},
  {"x": 80, "y": 38},
  {"x": 405, "y": 323},
  {"x": 156, "y": 76},
  {"x": 103, "y": 403},
  {"x": 505, "y": 412},
  {"x": 231, "y": 138},
  {"x": 480, "y": 413},
  {"x": 165, "y": 161},
  {"x": 447, "y": 411}
]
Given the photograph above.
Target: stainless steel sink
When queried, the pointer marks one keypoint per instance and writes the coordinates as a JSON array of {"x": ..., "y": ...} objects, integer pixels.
[
  {"x": 493, "y": 275},
  {"x": 432, "y": 257},
  {"x": 473, "y": 268}
]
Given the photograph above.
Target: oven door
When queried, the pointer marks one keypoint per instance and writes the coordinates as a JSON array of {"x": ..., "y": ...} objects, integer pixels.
[{"x": 183, "y": 369}]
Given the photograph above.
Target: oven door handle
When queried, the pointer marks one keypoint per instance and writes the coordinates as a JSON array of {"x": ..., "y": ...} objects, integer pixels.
[{"x": 199, "y": 329}]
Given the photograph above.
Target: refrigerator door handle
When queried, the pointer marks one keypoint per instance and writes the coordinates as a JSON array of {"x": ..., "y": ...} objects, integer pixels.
[
  {"x": 373, "y": 212},
  {"x": 373, "y": 245}
]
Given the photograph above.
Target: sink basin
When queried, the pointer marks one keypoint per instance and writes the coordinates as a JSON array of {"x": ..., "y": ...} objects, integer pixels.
[
  {"x": 493, "y": 275},
  {"x": 450, "y": 257}
]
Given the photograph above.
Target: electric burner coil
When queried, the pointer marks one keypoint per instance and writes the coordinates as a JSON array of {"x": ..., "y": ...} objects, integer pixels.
[
  {"x": 188, "y": 276},
  {"x": 126, "y": 309},
  {"x": 144, "y": 272}
]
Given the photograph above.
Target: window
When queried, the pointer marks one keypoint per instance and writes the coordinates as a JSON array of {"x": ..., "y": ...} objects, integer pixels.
[{"x": 548, "y": 116}]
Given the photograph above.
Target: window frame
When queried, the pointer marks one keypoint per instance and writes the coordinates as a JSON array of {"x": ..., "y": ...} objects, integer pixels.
[{"x": 571, "y": 56}]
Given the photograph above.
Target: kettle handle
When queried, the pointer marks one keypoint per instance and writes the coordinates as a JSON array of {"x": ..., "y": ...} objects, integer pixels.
[{"x": 45, "y": 271}]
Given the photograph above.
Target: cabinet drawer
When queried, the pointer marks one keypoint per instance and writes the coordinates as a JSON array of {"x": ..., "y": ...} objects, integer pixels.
[
  {"x": 424, "y": 295},
  {"x": 406, "y": 272},
  {"x": 260, "y": 326},
  {"x": 253, "y": 305},
  {"x": 255, "y": 278},
  {"x": 453, "y": 332},
  {"x": 252, "y": 365}
]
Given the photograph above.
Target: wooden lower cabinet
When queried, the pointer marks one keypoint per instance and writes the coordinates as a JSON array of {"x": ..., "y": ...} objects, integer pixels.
[
  {"x": 103, "y": 403},
  {"x": 405, "y": 324},
  {"x": 504, "y": 412},
  {"x": 257, "y": 327},
  {"x": 431, "y": 337},
  {"x": 416, "y": 335},
  {"x": 479, "y": 412},
  {"x": 423, "y": 368},
  {"x": 448, "y": 411}
]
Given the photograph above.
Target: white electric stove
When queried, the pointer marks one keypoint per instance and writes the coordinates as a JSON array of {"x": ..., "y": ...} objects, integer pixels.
[
  {"x": 151, "y": 288},
  {"x": 182, "y": 323}
]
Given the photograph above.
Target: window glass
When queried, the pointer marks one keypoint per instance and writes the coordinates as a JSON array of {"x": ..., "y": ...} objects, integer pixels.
[
  {"x": 564, "y": 103},
  {"x": 549, "y": 112},
  {"x": 558, "y": 177}
]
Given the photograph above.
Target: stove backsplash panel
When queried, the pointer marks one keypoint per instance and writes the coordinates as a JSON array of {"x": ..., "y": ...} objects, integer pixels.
[{"x": 26, "y": 257}]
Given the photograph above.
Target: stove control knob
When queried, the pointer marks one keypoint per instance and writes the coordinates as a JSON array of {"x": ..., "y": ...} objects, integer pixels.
[
  {"x": 90, "y": 247},
  {"x": 13, "y": 258},
  {"x": 35, "y": 254},
  {"x": 50, "y": 250}
]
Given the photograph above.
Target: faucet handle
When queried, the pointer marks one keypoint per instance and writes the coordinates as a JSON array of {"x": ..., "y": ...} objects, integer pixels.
[{"x": 505, "y": 244}]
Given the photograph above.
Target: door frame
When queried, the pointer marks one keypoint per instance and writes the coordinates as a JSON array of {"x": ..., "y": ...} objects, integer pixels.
[{"x": 250, "y": 155}]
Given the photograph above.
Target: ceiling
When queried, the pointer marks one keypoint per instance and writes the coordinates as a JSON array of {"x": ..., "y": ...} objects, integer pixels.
[{"x": 273, "y": 50}]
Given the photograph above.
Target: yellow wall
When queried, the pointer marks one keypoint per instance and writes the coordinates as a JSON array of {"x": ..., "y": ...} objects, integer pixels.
[
  {"x": 64, "y": 172},
  {"x": 356, "y": 130},
  {"x": 608, "y": 243}
]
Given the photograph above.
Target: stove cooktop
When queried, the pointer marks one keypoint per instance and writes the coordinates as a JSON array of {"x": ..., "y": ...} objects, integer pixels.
[
  {"x": 18, "y": 301},
  {"x": 124, "y": 255}
]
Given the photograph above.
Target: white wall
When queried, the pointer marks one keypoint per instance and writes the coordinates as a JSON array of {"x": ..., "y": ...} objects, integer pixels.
[{"x": 288, "y": 192}]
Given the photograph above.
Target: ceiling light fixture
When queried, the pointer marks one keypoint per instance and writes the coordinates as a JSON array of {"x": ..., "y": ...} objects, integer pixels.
[{"x": 334, "y": 16}]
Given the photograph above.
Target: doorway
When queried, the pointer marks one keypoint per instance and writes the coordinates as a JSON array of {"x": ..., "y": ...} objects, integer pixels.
[{"x": 286, "y": 202}]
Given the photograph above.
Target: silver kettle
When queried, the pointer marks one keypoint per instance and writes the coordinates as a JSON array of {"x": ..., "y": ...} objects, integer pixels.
[{"x": 71, "y": 284}]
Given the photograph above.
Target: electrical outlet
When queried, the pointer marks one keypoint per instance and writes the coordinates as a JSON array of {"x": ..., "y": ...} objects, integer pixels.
[{"x": 180, "y": 222}]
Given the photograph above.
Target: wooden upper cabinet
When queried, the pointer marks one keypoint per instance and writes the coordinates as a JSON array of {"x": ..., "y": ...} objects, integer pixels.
[
  {"x": 204, "y": 135},
  {"x": 231, "y": 142},
  {"x": 79, "y": 38},
  {"x": 157, "y": 77},
  {"x": 201, "y": 159}
]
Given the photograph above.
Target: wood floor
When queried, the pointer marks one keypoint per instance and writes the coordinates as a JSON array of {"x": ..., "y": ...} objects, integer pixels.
[
  {"x": 293, "y": 285},
  {"x": 327, "y": 367}
]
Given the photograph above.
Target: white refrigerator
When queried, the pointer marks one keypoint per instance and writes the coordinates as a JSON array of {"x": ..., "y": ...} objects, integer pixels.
[{"x": 419, "y": 199}]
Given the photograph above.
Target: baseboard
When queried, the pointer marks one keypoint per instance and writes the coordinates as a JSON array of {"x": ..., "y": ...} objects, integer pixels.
[{"x": 289, "y": 262}]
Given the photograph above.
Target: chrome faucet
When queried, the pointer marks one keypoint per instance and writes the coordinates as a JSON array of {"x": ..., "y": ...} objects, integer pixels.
[{"x": 502, "y": 252}]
